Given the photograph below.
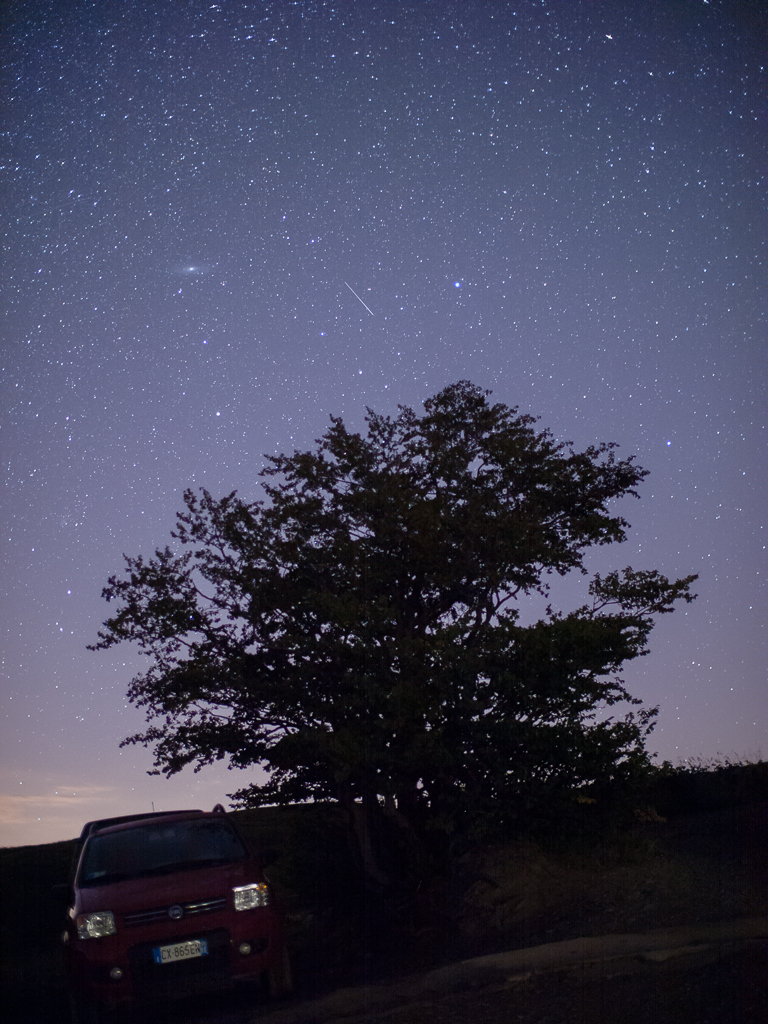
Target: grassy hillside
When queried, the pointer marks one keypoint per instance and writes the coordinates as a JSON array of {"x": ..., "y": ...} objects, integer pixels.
[{"x": 692, "y": 848}]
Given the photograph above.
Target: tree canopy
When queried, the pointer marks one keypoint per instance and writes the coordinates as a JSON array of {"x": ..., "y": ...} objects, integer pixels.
[{"x": 358, "y": 632}]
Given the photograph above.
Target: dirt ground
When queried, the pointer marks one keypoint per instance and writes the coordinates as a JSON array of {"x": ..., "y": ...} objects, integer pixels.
[{"x": 706, "y": 987}]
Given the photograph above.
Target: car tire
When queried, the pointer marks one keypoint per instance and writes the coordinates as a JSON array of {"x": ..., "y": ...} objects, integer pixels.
[{"x": 279, "y": 980}]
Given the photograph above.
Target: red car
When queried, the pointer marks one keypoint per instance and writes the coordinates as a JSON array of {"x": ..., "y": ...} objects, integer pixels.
[{"x": 169, "y": 904}]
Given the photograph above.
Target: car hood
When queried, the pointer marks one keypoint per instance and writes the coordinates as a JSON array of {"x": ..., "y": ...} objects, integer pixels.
[{"x": 186, "y": 886}]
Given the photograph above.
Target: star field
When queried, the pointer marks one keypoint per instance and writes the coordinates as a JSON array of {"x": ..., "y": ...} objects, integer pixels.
[{"x": 226, "y": 221}]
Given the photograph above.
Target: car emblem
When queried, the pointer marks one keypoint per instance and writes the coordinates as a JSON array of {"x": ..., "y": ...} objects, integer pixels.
[{"x": 175, "y": 912}]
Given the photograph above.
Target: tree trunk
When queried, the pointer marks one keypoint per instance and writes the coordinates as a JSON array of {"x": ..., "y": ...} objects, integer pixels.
[{"x": 365, "y": 835}]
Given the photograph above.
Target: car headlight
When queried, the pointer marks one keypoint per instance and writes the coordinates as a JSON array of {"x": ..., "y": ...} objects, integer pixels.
[
  {"x": 249, "y": 896},
  {"x": 95, "y": 926}
]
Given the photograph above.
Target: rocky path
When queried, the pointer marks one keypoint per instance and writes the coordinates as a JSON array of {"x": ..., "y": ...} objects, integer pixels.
[{"x": 705, "y": 974}]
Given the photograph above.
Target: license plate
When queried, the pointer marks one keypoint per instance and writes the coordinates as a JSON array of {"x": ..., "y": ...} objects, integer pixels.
[{"x": 180, "y": 951}]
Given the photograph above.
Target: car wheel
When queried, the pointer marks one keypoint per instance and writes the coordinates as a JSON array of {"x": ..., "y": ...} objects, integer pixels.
[{"x": 279, "y": 981}]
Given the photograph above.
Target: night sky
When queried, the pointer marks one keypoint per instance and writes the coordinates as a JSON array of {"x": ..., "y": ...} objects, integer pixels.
[{"x": 226, "y": 221}]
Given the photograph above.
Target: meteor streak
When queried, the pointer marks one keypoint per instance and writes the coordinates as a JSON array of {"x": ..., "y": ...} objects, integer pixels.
[{"x": 358, "y": 298}]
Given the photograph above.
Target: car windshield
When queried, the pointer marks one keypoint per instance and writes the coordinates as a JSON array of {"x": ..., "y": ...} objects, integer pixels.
[{"x": 158, "y": 848}]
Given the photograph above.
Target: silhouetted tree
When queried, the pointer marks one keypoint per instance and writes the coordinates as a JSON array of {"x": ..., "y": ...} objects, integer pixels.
[{"x": 358, "y": 633}]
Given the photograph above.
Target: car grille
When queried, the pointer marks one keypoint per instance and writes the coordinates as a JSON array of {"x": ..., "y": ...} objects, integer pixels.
[{"x": 161, "y": 913}]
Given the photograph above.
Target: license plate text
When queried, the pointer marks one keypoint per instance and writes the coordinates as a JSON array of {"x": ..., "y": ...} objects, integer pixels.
[{"x": 180, "y": 951}]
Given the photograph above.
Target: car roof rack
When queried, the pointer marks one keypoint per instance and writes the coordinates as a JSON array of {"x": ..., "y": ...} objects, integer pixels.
[{"x": 95, "y": 826}]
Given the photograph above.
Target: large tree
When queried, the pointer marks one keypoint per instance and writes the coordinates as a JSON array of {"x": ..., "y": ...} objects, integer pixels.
[{"x": 358, "y": 633}]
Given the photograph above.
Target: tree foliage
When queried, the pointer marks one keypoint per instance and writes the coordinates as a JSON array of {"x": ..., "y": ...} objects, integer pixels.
[{"x": 358, "y": 632}]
